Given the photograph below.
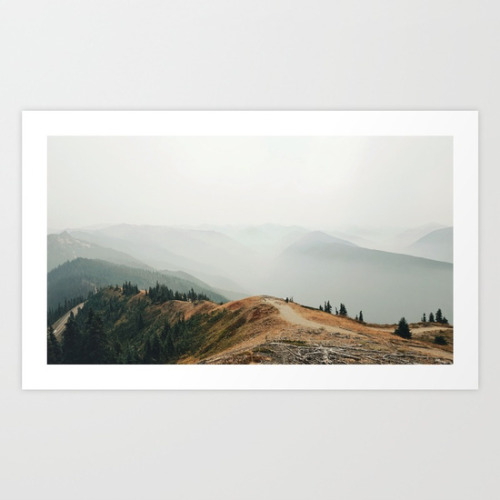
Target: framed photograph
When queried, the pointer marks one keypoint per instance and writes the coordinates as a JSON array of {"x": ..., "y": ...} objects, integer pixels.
[{"x": 250, "y": 250}]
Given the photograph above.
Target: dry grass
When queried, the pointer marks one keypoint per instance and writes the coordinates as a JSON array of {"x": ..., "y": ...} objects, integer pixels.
[{"x": 268, "y": 331}]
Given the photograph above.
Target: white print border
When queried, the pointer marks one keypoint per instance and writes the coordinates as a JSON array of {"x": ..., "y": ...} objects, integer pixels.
[{"x": 39, "y": 125}]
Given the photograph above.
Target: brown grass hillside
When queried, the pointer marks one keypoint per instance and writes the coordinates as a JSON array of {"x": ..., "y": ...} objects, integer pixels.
[{"x": 267, "y": 330}]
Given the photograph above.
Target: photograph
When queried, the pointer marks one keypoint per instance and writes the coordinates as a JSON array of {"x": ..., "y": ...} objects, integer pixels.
[{"x": 250, "y": 250}]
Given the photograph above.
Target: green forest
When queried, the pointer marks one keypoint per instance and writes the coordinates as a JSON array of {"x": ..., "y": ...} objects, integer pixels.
[{"x": 119, "y": 325}]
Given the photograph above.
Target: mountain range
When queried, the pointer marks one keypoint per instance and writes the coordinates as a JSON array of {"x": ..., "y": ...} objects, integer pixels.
[{"x": 312, "y": 266}]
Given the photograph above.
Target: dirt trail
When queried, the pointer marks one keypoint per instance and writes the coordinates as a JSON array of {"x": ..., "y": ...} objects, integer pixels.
[
  {"x": 425, "y": 329},
  {"x": 293, "y": 317},
  {"x": 60, "y": 324}
]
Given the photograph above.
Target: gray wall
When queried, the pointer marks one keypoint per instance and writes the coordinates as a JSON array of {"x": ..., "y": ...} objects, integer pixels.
[{"x": 255, "y": 54}]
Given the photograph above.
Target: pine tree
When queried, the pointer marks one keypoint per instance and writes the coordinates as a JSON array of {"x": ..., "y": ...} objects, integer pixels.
[
  {"x": 97, "y": 349},
  {"x": 424, "y": 318},
  {"x": 403, "y": 330},
  {"x": 170, "y": 348},
  {"x": 431, "y": 317},
  {"x": 140, "y": 322},
  {"x": 361, "y": 317},
  {"x": 72, "y": 342},
  {"x": 439, "y": 316},
  {"x": 54, "y": 351},
  {"x": 320, "y": 307},
  {"x": 152, "y": 350},
  {"x": 165, "y": 331},
  {"x": 342, "y": 310},
  {"x": 148, "y": 349}
]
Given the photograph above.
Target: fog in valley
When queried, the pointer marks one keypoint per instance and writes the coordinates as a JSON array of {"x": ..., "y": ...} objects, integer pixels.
[{"x": 366, "y": 221}]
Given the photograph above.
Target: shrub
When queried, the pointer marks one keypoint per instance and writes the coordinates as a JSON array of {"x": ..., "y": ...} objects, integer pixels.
[{"x": 440, "y": 339}]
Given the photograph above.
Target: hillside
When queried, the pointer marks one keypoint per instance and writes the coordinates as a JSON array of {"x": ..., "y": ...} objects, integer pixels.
[
  {"x": 63, "y": 247},
  {"x": 81, "y": 276},
  {"x": 256, "y": 330}
]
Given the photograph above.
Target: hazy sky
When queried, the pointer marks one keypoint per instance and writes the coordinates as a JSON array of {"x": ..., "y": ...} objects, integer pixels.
[{"x": 317, "y": 182}]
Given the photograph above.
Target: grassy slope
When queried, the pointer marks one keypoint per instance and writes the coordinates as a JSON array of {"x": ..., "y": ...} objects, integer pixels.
[{"x": 253, "y": 330}]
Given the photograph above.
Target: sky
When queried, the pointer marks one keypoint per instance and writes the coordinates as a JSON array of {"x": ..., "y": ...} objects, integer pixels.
[{"x": 315, "y": 182}]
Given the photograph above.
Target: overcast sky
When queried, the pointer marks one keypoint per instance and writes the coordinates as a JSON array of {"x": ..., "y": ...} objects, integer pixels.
[{"x": 316, "y": 182}]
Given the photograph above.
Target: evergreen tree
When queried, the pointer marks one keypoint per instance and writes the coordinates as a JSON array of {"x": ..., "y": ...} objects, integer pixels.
[
  {"x": 54, "y": 351},
  {"x": 165, "y": 331},
  {"x": 170, "y": 348},
  {"x": 72, "y": 342},
  {"x": 403, "y": 330},
  {"x": 424, "y": 318},
  {"x": 156, "y": 349},
  {"x": 97, "y": 348},
  {"x": 140, "y": 321},
  {"x": 439, "y": 316},
  {"x": 342, "y": 310},
  {"x": 361, "y": 316},
  {"x": 431, "y": 317},
  {"x": 320, "y": 307}
]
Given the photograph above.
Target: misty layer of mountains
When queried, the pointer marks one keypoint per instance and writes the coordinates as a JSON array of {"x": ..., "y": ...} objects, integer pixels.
[{"x": 387, "y": 274}]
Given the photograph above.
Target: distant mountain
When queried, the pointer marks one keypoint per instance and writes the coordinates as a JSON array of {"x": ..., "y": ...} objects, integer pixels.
[
  {"x": 387, "y": 239},
  {"x": 180, "y": 249},
  {"x": 63, "y": 247},
  {"x": 315, "y": 239},
  {"x": 266, "y": 238},
  {"x": 81, "y": 276},
  {"x": 437, "y": 245},
  {"x": 386, "y": 286},
  {"x": 409, "y": 236}
]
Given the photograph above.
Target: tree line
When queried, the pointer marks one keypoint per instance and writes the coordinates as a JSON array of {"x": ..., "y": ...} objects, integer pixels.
[
  {"x": 438, "y": 318},
  {"x": 162, "y": 293},
  {"x": 403, "y": 329},
  {"x": 340, "y": 311}
]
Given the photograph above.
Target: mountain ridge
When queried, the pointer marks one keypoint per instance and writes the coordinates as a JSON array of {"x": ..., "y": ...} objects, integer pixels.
[
  {"x": 81, "y": 276},
  {"x": 256, "y": 330}
]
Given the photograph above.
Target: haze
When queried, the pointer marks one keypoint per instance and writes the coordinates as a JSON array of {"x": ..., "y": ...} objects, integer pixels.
[{"x": 316, "y": 182}]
